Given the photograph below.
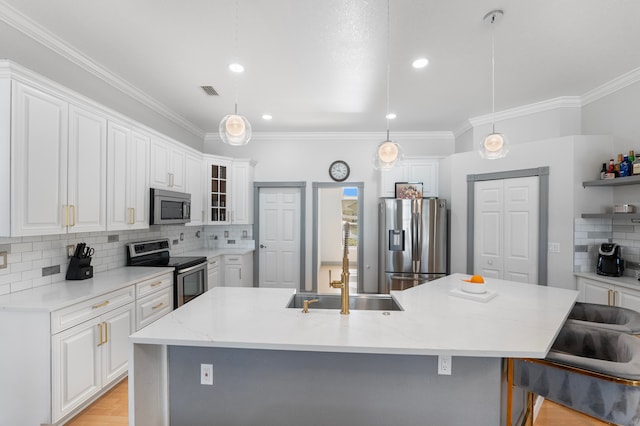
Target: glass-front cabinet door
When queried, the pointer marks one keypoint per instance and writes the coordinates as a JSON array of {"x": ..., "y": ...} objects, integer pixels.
[{"x": 219, "y": 184}]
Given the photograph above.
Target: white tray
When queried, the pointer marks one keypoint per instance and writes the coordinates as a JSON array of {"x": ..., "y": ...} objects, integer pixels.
[{"x": 480, "y": 297}]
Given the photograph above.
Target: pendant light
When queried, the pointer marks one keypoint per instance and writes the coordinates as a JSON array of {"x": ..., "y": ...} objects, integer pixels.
[
  {"x": 235, "y": 129},
  {"x": 494, "y": 145},
  {"x": 388, "y": 153}
]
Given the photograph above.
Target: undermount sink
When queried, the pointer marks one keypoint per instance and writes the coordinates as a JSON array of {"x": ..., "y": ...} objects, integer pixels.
[{"x": 362, "y": 302}]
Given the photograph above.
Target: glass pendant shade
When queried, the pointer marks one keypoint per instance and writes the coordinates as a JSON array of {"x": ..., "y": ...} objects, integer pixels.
[
  {"x": 387, "y": 155},
  {"x": 494, "y": 146},
  {"x": 235, "y": 130}
]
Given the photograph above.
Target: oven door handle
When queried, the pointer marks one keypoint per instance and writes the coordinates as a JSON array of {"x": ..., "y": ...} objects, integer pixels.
[{"x": 192, "y": 268}]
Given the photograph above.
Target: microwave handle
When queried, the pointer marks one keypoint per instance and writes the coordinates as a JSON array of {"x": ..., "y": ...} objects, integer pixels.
[{"x": 186, "y": 210}]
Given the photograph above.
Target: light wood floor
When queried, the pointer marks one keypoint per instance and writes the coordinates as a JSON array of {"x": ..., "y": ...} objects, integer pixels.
[{"x": 112, "y": 409}]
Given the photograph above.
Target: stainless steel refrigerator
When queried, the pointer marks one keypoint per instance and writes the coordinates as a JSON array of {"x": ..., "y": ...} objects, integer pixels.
[{"x": 412, "y": 242}]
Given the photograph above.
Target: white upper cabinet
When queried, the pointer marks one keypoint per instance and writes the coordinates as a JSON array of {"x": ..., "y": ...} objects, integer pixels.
[
  {"x": 128, "y": 183},
  {"x": 87, "y": 170},
  {"x": 242, "y": 192},
  {"x": 195, "y": 186},
  {"x": 167, "y": 165},
  {"x": 58, "y": 165},
  {"x": 416, "y": 169},
  {"x": 218, "y": 190},
  {"x": 229, "y": 191}
]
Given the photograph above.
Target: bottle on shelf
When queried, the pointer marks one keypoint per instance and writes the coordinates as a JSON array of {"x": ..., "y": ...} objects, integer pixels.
[
  {"x": 603, "y": 172},
  {"x": 632, "y": 158},
  {"x": 624, "y": 166},
  {"x": 636, "y": 166},
  {"x": 616, "y": 166}
]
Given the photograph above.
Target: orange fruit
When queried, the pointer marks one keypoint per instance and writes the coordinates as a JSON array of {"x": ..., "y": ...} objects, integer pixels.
[{"x": 475, "y": 279}]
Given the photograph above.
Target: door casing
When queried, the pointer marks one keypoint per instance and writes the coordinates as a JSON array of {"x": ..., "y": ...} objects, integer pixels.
[
  {"x": 543, "y": 217},
  {"x": 256, "y": 226}
]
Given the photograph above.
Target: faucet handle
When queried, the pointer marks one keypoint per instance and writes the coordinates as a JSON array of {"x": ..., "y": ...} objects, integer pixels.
[
  {"x": 306, "y": 303},
  {"x": 334, "y": 284}
]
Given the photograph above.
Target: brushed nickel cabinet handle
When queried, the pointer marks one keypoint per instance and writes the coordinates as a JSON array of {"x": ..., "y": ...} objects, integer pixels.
[{"x": 159, "y": 305}]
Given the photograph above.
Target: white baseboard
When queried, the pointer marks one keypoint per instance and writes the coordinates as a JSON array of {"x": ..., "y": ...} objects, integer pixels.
[{"x": 536, "y": 407}]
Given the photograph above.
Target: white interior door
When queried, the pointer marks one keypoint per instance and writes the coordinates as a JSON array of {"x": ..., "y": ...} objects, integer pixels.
[
  {"x": 506, "y": 229},
  {"x": 279, "y": 239}
]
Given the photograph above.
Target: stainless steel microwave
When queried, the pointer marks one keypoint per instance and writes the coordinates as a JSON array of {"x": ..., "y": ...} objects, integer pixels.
[{"x": 169, "y": 207}]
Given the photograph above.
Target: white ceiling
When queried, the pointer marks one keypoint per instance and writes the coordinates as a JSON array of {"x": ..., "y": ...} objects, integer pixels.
[{"x": 322, "y": 65}]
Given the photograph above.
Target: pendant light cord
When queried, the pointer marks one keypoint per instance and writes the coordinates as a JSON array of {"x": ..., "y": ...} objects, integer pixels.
[
  {"x": 388, "y": 60},
  {"x": 493, "y": 74},
  {"x": 237, "y": 50}
]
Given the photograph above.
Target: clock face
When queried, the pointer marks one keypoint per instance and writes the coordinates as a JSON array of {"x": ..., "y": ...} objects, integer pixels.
[{"x": 339, "y": 171}]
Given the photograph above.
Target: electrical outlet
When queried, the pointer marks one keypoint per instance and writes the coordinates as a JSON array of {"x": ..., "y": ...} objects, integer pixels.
[
  {"x": 71, "y": 248},
  {"x": 444, "y": 365},
  {"x": 206, "y": 374}
]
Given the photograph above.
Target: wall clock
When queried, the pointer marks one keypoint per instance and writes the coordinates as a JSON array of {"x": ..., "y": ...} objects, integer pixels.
[{"x": 339, "y": 170}]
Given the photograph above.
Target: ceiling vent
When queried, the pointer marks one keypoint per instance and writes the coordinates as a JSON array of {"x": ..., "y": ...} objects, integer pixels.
[{"x": 209, "y": 90}]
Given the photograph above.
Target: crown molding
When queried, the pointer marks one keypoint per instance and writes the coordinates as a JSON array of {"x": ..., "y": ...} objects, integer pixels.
[
  {"x": 537, "y": 107},
  {"x": 612, "y": 86},
  {"x": 339, "y": 136},
  {"x": 38, "y": 33}
]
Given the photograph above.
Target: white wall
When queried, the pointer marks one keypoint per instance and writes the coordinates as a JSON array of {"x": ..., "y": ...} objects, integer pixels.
[
  {"x": 306, "y": 157},
  {"x": 617, "y": 114}
]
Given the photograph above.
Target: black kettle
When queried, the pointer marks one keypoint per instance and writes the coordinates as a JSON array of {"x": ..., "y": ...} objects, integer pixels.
[{"x": 609, "y": 261}]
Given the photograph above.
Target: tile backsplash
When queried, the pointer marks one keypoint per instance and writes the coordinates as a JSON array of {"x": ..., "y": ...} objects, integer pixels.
[
  {"x": 590, "y": 233},
  {"x": 42, "y": 260}
]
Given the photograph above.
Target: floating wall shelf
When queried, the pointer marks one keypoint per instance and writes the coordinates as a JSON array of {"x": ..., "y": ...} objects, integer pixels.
[{"x": 629, "y": 180}]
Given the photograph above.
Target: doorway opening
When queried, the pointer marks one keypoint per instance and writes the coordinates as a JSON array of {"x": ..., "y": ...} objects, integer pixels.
[{"x": 333, "y": 205}]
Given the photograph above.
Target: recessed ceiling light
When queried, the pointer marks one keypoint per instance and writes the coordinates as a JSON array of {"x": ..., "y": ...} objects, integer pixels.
[
  {"x": 267, "y": 117},
  {"x": 235, "y": 67},
  {"x": 420, "y": 63},
  {"x": 390, "y": 116}
]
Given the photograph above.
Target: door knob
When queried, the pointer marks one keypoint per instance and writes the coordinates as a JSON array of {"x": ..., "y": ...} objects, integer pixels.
[{"x": 263, "y": 246}]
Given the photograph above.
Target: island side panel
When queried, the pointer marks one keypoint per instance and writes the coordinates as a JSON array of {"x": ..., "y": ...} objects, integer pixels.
[
  {"x": 262, "y": 387},
  {"x": 148, "y": 390}
]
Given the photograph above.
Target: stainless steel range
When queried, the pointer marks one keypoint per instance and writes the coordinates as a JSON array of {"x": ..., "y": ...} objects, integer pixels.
[{"x": 190, "y": 276}]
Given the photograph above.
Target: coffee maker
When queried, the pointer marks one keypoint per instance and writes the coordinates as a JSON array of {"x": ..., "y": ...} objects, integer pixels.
[{"x": 609, "y": 261}]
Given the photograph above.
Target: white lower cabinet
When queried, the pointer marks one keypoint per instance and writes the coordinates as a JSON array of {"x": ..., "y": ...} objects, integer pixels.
[
  {"x": 604, "y": 293},
  {"x": 238, "y": 270},
  {"x": 213, "y": 272},
  {"x": 154, "y": 299},
  {"x": 56, "y": 359},
  {"x": 88, "y": 357}
]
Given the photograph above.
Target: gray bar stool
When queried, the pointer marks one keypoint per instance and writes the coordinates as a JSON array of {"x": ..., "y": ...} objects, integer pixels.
[
  {"x": 606, "y": 317},
  {"x": 588, "y": 369}
]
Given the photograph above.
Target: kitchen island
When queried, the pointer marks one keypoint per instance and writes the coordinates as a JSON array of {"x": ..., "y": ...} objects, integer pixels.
[{"x": 277, "y": 365}]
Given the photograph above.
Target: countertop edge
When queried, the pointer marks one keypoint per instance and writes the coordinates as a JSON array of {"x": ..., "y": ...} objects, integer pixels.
[
  {"x": 145, "y": 274},
  {"x": 624, "y": 281}
]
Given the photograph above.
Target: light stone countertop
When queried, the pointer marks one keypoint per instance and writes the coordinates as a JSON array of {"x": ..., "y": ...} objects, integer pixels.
[
  {"x": 65, "y": 293},
  {"x": 521, "y": 321}
]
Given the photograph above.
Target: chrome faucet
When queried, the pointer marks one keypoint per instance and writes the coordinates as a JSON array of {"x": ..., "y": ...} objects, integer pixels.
[{"x": 343, "y": 284}]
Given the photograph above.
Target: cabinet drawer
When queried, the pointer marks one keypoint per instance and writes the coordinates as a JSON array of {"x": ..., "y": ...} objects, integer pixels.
[
  {"x": 214, "y": 262},
  {"x": 154, "y": 306},
  {"x": 83, "y": 311},
  {"x": 144, "y": 288},
  {"x": 234, "y": 259}
]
